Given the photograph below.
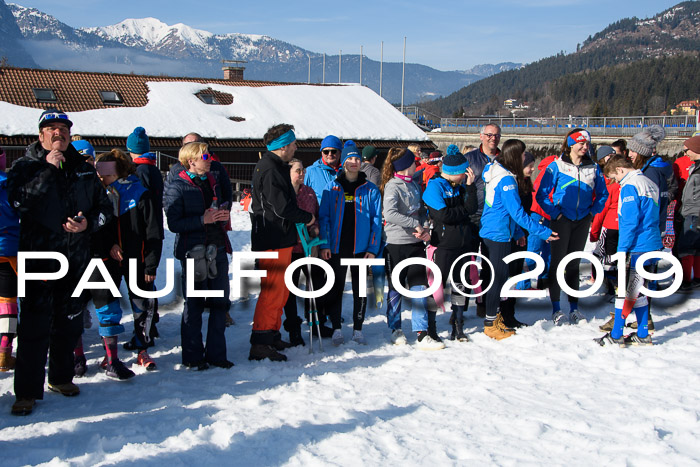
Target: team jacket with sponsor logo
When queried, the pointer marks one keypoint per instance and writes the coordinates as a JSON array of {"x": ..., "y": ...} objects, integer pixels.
[
  {"x": 577, "y": 190},
  {"x": 368, "y": 217},
  {"x": 503, "y": 212},
  {"x": 638, "y": 214}
]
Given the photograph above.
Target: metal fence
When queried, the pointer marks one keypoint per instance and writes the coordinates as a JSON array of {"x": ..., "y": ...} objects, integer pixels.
[
  {"x": 422, "y": 118},
  {"x": 676, "y": 125}
]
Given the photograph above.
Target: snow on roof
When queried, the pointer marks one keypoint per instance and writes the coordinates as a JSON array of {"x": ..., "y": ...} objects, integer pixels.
[{"x": 347, "y": 111}]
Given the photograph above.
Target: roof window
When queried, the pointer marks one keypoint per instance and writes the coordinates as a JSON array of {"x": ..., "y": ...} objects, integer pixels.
[
  {"x": 111, "y": 97},
  {"x": 44, "y": 95},
  {"x": 208, "y": 99}
]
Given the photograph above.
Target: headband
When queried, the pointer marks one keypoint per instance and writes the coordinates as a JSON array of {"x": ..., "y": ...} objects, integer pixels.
[
  {"x": 404, "y": 162},
  {"x": 282, "y": 141},
  {"x": 106, "y": 168},
  {"x": 578, "y": 137}
]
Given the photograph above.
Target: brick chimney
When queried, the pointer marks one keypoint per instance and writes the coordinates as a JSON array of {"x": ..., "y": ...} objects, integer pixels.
[{"x": 233, "y": 70}]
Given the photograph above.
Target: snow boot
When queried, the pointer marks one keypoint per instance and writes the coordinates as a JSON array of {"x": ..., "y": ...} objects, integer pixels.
[
  {"x": 7, "y": 361},
  {"x": 608, "y": 325},
  {"x": 262, "y": 351},
  {"x": 497, "y": 329},
  {"x": 295, "y": 338},
  {"x": 23, "y": 406}
]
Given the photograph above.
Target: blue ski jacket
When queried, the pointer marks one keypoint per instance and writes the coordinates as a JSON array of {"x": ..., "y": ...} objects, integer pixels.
[
  {"x": 577, "y": 190},
  {"x": 661, "y": 174},
  {"x": 368, "y": 217},
  {"x": 638, "y": 214},
  {"x": 318, "y": 176},
  {"x": 503, "y": 211}
]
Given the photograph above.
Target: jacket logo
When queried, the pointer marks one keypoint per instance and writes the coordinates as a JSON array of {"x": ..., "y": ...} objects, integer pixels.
[
  {"x": 509, "y": 187},
  {"x": 627, "y": 199},
  {"x": 84, "y": 174}
]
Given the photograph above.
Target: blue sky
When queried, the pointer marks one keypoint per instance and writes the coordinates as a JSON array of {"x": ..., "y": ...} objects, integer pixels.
[{"x": 445, "y": 34}]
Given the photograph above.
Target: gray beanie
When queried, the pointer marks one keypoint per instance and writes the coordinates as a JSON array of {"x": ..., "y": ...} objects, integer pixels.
[{"x": 644, "y": 143}]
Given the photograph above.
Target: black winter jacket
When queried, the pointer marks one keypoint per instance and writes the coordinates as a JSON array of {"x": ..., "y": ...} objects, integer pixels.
[
  {"x": 136, "y": 226},
  {"x": 274, "y": 210},
  {"x": 450, "y": 208},
  {"x": 184, "y": 209},
  {"x": 46, "y": 196}
]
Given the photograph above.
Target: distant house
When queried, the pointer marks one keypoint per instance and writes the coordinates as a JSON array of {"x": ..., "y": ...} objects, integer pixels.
[
  {"x": 232, "y": 114},
  {"x": 688, "y": 107},
  {"x": 510, "y": 103}
]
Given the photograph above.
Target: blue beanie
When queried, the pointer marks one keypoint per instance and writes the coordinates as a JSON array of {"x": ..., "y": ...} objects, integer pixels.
[
  {"x": 452, "y": 150},
  {"x": 350, "y": 150},
  {"x": 84, "y": 148},
  {"x": 331, "y": 141},
  {"x": 454, "y": 164},
  {"x": 349, "y": 143},
  {"x": 137, "y": 142}
]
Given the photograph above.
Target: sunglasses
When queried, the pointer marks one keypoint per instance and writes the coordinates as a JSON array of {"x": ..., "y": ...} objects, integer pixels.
[
  {"x": 206, "y": 156},
  {"x": 685, "y": 151},
  {"x": 491, "y": 135},
  {"x": 328, "y": 152}
]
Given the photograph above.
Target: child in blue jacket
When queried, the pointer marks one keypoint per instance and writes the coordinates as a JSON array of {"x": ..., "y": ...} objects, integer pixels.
[
  {"x": 501, "y": 222},
  {"x": 638, "y": 213},
  {"x": 350, "y": 218},
  {"x": 450, "y": 204}
]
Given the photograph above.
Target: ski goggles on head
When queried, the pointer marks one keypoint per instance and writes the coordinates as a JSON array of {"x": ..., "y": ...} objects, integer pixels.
[{"x": 51, "y": 117}]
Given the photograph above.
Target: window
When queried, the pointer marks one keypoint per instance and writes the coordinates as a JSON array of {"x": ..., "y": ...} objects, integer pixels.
[
  {"x": 111, "y": 97},
  {"x": 208, "y": 99},
  {"x": 44, "y": 95}
]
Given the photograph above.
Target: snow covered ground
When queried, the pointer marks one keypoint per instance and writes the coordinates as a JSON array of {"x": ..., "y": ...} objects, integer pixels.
[{"x": 548, "y": 396}]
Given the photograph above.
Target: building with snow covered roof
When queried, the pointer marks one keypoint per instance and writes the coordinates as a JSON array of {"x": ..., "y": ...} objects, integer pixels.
[{"x": 231, "y": 115}]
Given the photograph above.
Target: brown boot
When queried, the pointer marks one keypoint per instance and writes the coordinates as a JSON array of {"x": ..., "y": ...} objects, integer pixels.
[
  {"x": 23, "y": 406},
  {"x": 7, "y": 361},
  {"x": 497, "y": 330}
]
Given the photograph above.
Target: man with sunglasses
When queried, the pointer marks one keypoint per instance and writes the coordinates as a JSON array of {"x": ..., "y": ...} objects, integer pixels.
[
  {"x": 487, "y": 151},
  {"x": 323, "y": 171},
  {"x": 61, "y": 202}
]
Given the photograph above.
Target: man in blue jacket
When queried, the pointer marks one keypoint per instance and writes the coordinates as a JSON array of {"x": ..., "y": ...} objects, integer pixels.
[{"x": 324, "y": 170}]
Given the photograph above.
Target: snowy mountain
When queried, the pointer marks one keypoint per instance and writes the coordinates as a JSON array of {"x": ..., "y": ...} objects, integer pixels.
[
  {"x": 149, "y": 46},
  {"x": 10, "y": 48}
]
